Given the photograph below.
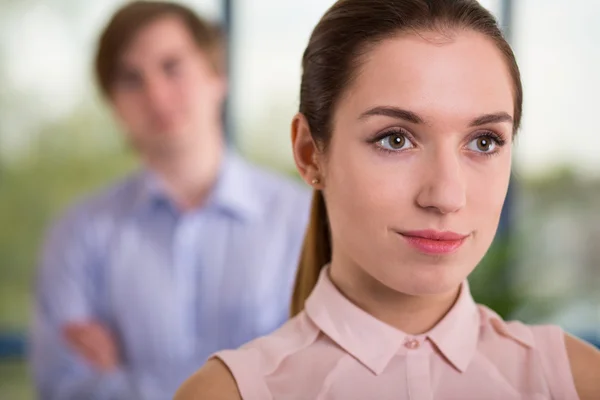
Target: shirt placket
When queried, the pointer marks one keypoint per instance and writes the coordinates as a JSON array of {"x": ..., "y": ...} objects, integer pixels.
[
  {"x": 185, "y": 266},
  {"x": 418, "y": 376}
]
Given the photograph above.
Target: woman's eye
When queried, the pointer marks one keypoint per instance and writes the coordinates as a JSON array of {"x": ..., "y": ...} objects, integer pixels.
[
  {"x": 395, "y": 141},
  {"x": 483, "y": 144}
]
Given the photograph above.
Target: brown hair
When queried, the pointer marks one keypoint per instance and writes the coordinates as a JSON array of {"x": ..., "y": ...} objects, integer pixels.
[
  {"x": 134, "y": 16},
  {"x": 337, "y": 46}
]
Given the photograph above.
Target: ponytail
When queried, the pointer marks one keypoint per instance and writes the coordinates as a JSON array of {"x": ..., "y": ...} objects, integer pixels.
[{"x": 316, "y": 253}]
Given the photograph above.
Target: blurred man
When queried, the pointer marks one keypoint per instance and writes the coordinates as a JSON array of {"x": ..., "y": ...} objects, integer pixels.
[{"x": 197, "y": 252}]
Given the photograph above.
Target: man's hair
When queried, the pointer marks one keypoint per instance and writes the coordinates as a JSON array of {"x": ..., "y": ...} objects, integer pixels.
[{"x": 134, "y": 16}]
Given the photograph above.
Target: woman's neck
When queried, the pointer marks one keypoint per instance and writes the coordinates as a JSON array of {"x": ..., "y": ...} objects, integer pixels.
[{"x": 413, "y": 315}]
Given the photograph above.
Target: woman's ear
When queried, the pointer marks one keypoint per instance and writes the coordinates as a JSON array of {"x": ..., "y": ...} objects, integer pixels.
[{"x": 306, "y": 152}]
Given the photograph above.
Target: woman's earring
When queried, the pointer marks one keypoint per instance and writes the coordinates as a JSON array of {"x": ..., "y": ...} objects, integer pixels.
[{"x": 315, "y": 181}]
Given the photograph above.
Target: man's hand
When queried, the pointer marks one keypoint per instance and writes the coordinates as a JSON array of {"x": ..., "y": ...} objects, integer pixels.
[{"x": 95, "y": 343}]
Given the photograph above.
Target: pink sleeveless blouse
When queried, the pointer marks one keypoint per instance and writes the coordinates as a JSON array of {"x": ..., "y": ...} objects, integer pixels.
[{"x": 334, "y": 350}]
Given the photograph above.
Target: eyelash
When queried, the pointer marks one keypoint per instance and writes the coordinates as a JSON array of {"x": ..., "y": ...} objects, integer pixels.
[
  {"x": 498, "y": 139},
  {"x": 390, "y": 132}
]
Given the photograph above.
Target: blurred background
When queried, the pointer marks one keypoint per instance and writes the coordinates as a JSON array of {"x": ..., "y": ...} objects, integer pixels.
[{"x": 58, "y": 142}]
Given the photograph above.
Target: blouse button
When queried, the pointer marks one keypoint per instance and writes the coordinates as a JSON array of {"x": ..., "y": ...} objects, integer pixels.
[{"x": 411, "y": 344}]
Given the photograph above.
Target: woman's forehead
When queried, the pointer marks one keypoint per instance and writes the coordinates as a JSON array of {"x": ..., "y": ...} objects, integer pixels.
[{"x": 466, "y": 74}]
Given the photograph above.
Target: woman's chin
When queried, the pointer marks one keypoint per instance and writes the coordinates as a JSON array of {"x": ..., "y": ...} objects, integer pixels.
[{"x": 427, "y": 281}]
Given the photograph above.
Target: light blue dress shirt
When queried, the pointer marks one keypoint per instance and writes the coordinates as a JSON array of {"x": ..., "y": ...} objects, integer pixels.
[{"x": 174, "y": 287}]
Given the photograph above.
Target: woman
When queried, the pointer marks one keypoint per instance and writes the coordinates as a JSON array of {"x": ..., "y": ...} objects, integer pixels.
[{"x": 408, "y": 110}]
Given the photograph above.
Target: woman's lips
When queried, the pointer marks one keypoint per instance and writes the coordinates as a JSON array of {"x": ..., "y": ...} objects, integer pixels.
[{"x": 434, "y": 242}]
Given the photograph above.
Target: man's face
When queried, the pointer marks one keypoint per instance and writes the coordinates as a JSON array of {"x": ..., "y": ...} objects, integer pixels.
[{"x": 167, "y": 94}]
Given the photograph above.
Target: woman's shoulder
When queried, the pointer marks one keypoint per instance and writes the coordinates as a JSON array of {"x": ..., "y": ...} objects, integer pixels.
[
  {"x": 212, "y": 381},
  {"x": 242, "y": 372},
  {"x": 585, "y": 366},
  {"x": 570, "y": 364}
]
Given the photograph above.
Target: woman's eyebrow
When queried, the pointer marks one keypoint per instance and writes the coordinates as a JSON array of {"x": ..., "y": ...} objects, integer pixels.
[
  {"x": 393, "y": 112},
  {"x": 493, "y": 118},
  {"x": 409, "y": 116}
]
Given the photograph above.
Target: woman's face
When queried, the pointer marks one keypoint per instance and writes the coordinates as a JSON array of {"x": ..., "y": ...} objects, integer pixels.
[{"x": 418, "y": 166}]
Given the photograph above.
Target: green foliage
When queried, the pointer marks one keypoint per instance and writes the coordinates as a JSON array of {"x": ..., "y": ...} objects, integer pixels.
[
  {"x": 490, "y": 282},
  {"x": 493, "y": 284},
  {"x": 15, "y": 381}
]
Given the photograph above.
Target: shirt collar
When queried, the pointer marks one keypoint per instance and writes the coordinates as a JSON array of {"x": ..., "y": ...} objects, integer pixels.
[
  {"x": 514, "y": 330},
  {"x": 234, "y": 193},
  {"x": 150, "y": 192},
  {"x": 237, "y": 191},
  {"x": 456, "y": 336},
  {"x": 374, "y": 343}
]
